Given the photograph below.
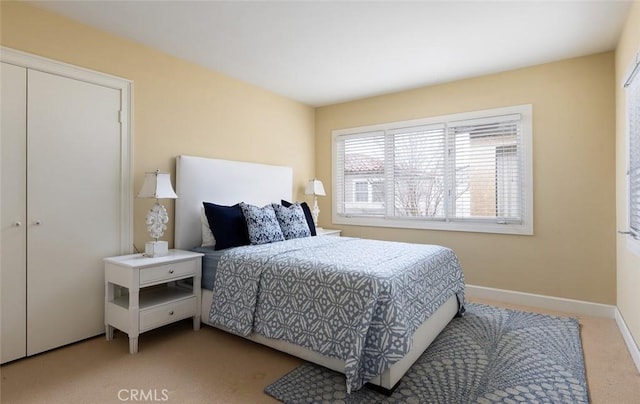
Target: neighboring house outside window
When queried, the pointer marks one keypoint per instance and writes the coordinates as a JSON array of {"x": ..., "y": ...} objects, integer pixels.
[{"x": 468, "y": 172}]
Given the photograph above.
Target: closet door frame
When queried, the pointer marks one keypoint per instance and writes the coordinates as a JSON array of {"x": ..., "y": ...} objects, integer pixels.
[{"x": 29, "y": 61}]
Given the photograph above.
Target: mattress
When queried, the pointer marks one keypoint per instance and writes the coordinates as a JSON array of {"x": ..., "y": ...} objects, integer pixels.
[{"x": 209, "y": 265}]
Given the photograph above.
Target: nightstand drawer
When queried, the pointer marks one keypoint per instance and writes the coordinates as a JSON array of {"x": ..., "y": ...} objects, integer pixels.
[
  {"x": 160, "y": 273},
  {"x": 167, "y": 313}
]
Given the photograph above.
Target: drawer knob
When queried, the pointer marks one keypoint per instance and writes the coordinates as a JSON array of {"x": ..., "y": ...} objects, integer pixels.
[
  {"x": 171, "y": 271},
  {"x": 171, "y": 313}
]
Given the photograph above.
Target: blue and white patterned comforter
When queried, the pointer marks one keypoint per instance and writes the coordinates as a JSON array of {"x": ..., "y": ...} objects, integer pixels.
[{"x": 353, "y": 299}]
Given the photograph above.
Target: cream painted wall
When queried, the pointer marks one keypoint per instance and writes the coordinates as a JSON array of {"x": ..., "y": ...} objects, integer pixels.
[
  {"x": 572, "y": 253},
  {"x": 628, "y": 271},
  {"x": 179, "y": 107}
]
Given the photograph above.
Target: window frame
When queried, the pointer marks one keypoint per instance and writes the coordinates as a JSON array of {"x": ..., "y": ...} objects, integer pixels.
[
  {"x": 468, "y": 225},
  {"x": 632, "y": 76}
]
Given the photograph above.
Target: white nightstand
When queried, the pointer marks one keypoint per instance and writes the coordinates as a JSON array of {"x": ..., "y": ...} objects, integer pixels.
[
  {"x": 327, "y": 232},
  {"x": 143, "y": 308}
]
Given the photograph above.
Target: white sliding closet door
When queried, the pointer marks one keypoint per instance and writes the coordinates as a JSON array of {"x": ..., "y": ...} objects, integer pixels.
[
  {"x": 73, "y": 206},
  {"x": 13, "y": 277}
]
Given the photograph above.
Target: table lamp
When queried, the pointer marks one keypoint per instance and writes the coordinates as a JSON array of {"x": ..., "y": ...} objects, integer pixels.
[
  {"x": 157, "y": 185},
  {"x": 315, "y": 188}
]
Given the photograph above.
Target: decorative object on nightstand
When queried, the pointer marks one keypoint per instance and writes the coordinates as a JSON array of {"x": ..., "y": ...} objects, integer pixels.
[
  {"x": 315, "y": 188},
  {"x": 157, "y": 185}
]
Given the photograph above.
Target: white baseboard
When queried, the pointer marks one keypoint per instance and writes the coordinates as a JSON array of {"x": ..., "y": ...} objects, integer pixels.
[
  {"x": 628, "y": 339},
  {"x": 560, "y": 304},
  {"x": 541, "y": 301}
]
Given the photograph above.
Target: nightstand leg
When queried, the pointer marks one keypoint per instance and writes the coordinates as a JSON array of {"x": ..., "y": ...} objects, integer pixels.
[
  {"x": 134, "y": 313},
  {"x": 109, "y": 332},
  {"x": 198, "y": 293},
  {"x": 133, "y": 345},
  {"x": 109, "y": 293}
]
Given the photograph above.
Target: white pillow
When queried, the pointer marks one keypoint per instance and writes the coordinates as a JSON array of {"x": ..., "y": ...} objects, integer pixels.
[{"x": 207, "y": 236}]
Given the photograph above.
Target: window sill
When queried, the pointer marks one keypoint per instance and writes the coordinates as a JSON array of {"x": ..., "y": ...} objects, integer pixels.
[{"x": 474, "y": 227}]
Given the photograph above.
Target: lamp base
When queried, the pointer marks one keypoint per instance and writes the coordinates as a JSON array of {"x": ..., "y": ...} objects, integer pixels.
[
  {"x": 156, "y": 248},
  {"x": 316, "y": 211}
]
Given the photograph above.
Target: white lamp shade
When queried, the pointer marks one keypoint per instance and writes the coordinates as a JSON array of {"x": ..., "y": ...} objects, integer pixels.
[
  {"x": 315, "y": 187},
  {"x": 157, "y": 185}
]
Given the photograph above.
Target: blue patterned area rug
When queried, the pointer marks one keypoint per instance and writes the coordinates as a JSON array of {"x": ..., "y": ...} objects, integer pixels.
[{"x": 489, "y": 355}]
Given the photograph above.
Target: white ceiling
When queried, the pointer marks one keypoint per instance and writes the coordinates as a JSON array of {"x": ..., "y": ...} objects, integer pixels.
[{"x": 325, "y": 52}]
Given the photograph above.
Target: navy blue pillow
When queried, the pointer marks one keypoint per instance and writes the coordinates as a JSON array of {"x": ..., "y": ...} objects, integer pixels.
[
  {"x": 227, "y": 224},
  {"x": 307, "y": 215}
]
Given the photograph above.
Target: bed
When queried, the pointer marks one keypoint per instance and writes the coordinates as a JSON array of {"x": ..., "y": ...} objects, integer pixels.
[{"x": 386, "y": 320}]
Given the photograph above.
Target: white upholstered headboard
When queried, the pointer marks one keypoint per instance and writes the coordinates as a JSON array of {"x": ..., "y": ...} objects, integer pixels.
[{"x": 222, "y": 182}]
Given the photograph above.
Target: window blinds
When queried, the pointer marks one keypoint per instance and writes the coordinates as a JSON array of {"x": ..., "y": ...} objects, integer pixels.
[
  {"x": 418, "y": 166},
  {"x": 633, "y": 116},
  {"x": 487, "y": 169},
  {"x": 359, "y": 159},
  {"x": 468, "y": 170}
]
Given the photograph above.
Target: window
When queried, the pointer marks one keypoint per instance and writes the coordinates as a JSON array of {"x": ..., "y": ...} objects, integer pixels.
[
  {"x": 466, "y": 172},
  {"x": 632, "y": 85},
  {"x": 362, "y": 191}
]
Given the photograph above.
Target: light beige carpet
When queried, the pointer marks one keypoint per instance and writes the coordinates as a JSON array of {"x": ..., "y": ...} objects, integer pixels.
[{"x": 178, "y": 365}]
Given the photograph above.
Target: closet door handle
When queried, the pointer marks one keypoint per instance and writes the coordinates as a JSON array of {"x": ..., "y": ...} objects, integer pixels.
[
  {"x": 18, "y": 224},
  {"x": 37, "y": 222}
]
